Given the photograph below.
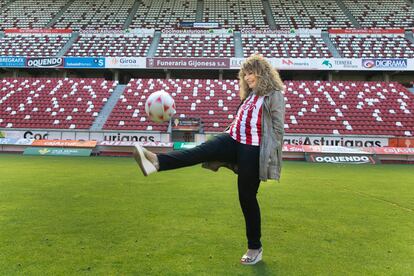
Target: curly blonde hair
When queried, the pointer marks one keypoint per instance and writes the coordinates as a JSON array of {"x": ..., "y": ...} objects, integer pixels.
[{"x": 268, "y": 79}]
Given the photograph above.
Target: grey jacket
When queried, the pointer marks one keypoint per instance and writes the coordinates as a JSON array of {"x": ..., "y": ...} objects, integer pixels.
[{"x": 273, "y": 117}]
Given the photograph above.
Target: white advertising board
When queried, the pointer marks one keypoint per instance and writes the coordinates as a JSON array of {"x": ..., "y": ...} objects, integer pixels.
[
  {"x": 125, "y": 62},
  {"x": 88, "y": 135},
  {"x": 342, "y": 141},
  {"x": 336, "y": 64}
]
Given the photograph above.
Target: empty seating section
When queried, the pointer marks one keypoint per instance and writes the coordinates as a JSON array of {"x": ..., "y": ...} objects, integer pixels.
[
  {"x": 110, "y": 14},
  {"x": 208, "y": 45},
  {"x": 323, "y": 13},
  {"x": 279, "y": 16},
  {"x": 235, "y": 14},
  {"x": 371, "y": 13},
  {"x": 357, "y": 108},
  {"x": 213, "y": 101},
  {"x": 111, "y": 45},
  {"x": 285, "y": 46},
  {"x": 92, "y": 14},
  {"x": 164, "y": 14},
  {"x": 196, "y": 46},
  {"x": 373, "y": 46},
  {"x": 312, "y": 107},
  {"x": 52, "y": 103},
  {"x": 308, "y": 14},
  {"x": 31, "y": 45},
  {"x": 29, "y": 14}
]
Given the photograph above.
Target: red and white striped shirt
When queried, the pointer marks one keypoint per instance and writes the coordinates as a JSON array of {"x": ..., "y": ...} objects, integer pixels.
[{"x": 247, "y": 126}]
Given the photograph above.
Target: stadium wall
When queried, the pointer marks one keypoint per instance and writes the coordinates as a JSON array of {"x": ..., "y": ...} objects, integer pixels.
[
  {"x": 140, "y": 136},
  {"x": 317, "y": 154}
]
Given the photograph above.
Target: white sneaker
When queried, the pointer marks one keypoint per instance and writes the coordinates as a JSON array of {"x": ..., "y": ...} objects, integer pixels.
[
  {"x": 147, "y": 167},
  {"x": 251, "y": 260}
]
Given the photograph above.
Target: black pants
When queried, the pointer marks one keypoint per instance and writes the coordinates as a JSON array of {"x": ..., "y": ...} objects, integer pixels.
[{"x": 224, "y": 148}]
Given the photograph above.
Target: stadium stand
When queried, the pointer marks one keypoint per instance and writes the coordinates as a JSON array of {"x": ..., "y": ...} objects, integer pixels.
[
  {"x": 235, "y": 14},
  {"x": 374, "y": 46},
  {"x": 111, "y": 45},
  {"x": 29, "y": 14},
  {"x": 32, "y": 45},
  {"x": 164, "y": 14},
  {"x": 109, "y": 14},
  {"x": 312, "y": 107},
  {"x": 196, "y": 46},
  {"x": 357, "y": 108},
  {"x": 373, "y": 14},
  {"x": 285, "y": 46},
  {"x": 213, "y": 100},
  {"x": 308, "y": 14},
  {"x": 104, "y": 14},
  {"x": 52, "y": 103}
]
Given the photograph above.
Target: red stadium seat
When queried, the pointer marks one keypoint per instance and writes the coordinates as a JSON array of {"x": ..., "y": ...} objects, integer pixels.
[
  {"x": 312, "y": 107},
  {"x": 52, "y": 103}
]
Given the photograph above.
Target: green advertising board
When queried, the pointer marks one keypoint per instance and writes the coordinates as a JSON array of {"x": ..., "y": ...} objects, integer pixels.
[
  {"x": 57, "y": 151},
  {"x": 183, "y": 145}
]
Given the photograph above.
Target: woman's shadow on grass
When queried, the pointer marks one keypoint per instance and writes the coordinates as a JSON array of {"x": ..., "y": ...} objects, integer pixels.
[{"x": 261, "y": 268}]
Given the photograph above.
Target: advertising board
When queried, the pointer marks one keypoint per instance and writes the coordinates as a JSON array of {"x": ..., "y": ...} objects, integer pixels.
[
  {"x": 64, "y": 143},
  {"x": 342, "y": 158},
  {"x": 125, "y": 62},
  {"x": 385, "y": 64},
  {"x": 37, "y": 31},
  {"x": 44, "y": 151},
  {"x": 12, "y": 61},
  {"x": 367, "y": 31},
  {"x": 84, "y": 62},
  {"x": 189, "y": 63},
  {"x": 15, "y": 141},
  {"x": 343, "y": 141},
  {"x": 44, "y": 62},
  {"x": 110, "y": 136}
]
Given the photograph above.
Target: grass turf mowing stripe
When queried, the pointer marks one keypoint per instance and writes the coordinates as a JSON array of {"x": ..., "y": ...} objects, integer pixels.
[{"x": 382, "y": 200}]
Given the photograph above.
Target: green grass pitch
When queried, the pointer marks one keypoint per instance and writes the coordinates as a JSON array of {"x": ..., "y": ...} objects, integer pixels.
[{"x": 100, "y": 216}]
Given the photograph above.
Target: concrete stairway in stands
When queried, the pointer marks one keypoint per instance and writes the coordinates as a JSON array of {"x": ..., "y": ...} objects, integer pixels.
[
  {"x": 348, "y": 14},
  {"x": 238, "y": 45},
  {"x": 131, "y": 14},
  {"x": 269, "y": 14},
  {"x": 409, "y": 36},
  {"x": 59, "y": 14},
  {"x": 107, "y": 109},
  {"x": 199, "y": 11},
  {"x": 68, "y": 44},
  {"x": 329, "y": 43},
  {"x": 154, "y": 44}
]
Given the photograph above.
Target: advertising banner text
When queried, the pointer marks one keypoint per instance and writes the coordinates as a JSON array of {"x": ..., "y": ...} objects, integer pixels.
[
  {"x": 56, "y": 151},
  {"x": 37, "y": 31},
  {"x": 64, "y": 143},
  {"x": 84, "y": 62},
  {"x": 189, "y": 63}
]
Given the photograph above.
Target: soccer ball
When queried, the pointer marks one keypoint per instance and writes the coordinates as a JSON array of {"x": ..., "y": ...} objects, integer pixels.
[{"x": 160, "y": 106}]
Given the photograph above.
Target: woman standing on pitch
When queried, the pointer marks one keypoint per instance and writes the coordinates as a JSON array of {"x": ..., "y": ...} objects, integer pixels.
[{"x": 251, "y": 146}]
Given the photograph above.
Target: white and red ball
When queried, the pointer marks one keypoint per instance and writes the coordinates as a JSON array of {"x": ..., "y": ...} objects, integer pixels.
[{"x": 160, "y": 106}]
